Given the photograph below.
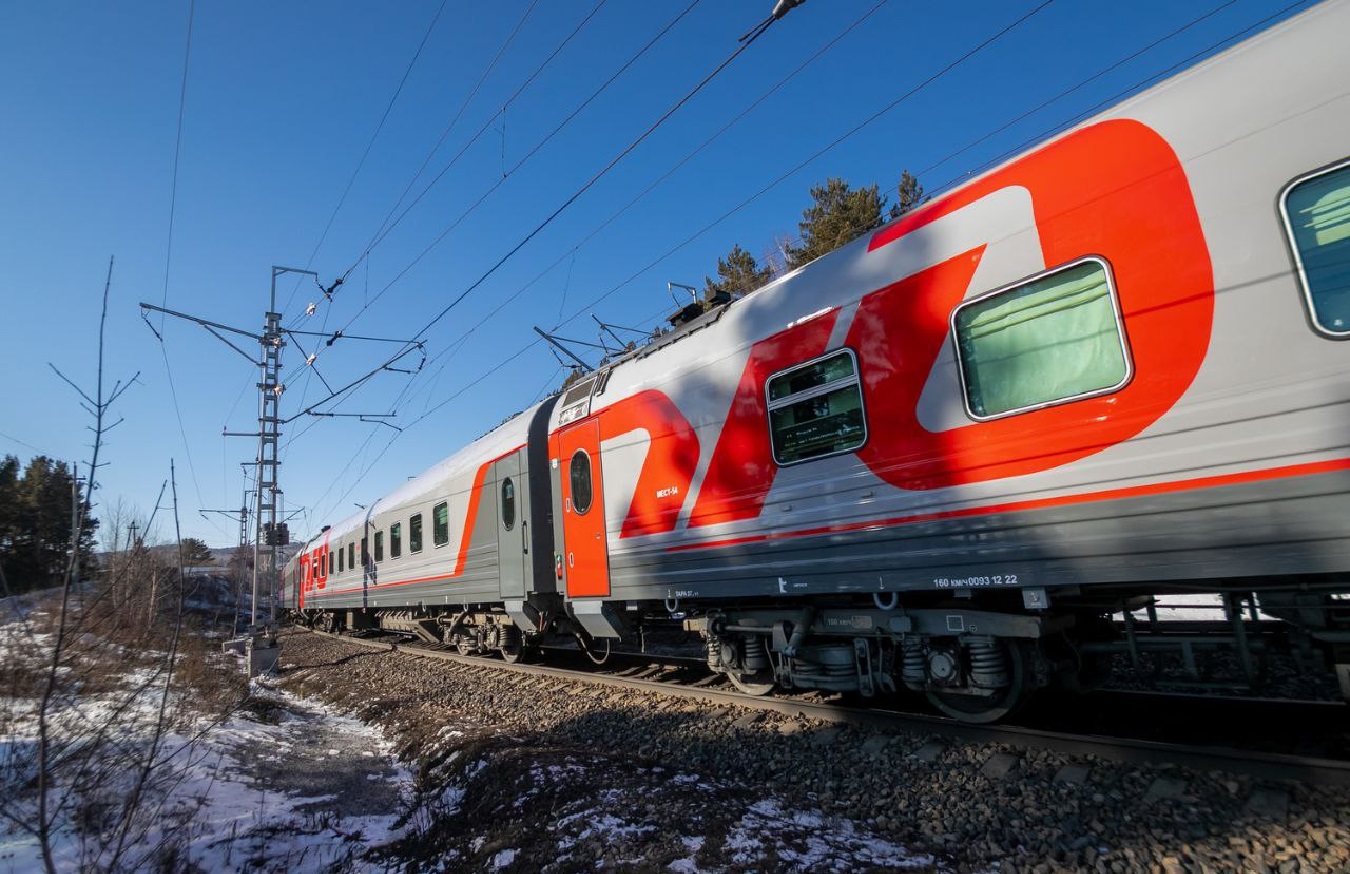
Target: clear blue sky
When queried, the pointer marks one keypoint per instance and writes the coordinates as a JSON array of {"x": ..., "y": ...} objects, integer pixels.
[{"x": 281, "y": 102}]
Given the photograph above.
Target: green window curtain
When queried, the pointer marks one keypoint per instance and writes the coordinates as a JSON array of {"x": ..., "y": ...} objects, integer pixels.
[
  {"x": 441, "y": 526},
  {"x": 1319, "y": 218},
  {"x": 816, "y": 410},
  {"x": 1051, "y": 340}
]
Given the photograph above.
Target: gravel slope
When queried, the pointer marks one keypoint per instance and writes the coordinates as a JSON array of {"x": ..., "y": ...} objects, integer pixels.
[{"x": 547, "y": 775}]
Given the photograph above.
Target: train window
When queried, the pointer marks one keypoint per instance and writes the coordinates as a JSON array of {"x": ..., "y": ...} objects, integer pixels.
[
  {"x": 351, "y": 555},
  {"x": 340, "y": 564},
  {"x": 508, "y": 504},
  {"x": 581, "y": 481},
  {"x": 395, "y": 540},
  {"x": 1053, "y": 339},
  {"x": 365, "y": 551},
  {"x": 379, "y": 546},
  {"x": 440, "y": 528},
  {"x": 1316, "y": 211},
  {"x": 415, "y": 533},
  {"x": 816, "y": 409},
  {"x": 323, "y": 566}
]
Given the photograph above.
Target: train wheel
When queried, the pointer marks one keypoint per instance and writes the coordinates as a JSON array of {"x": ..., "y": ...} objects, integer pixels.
[
  {"x": 465, "y": 644},
  {"x": 512, "y": 645},
  {"x": 752, "y": 684},
  {"x": 982, "y": 709}
]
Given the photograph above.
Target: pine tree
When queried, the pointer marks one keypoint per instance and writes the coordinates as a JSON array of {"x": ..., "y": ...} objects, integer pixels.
[
  {"x": 738, "y": 274},
  {"x": 910, "y": 193},
  {"x": 195, "y": 552},
  {"x": 836, "y": 216},
  {"x": 35, "y": 522}
]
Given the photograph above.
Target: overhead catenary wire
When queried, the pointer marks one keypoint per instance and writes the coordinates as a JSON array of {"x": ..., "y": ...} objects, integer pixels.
[
  {"x": 1121, "y": 94},
  {"x": 745, "y": 42},
  {"x": 168, "y": 247},
  {"x": 370, "y": 144},
  {"x": 750, "y": 37},
  {"x": 487, "y": 125},
  {"x": 1078, "y": 86},
  {"x": 557, "y": 129},
  {"x": 431, "y": 154},
  {"x": 833, "y": 144},
  {"x": 380, "y": 234},
  {"x": 450, "y": 126},
  {"x": 828, "y": 46},
  {"x": 827, "y": 148}
]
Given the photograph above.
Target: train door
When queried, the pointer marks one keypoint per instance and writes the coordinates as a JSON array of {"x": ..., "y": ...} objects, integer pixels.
[
  {"x": 585, "y": 555},
  {"x": 513, "y": 545}
]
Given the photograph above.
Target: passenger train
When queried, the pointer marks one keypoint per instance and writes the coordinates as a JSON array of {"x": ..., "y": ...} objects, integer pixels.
[{"x": 943, "y": 456}]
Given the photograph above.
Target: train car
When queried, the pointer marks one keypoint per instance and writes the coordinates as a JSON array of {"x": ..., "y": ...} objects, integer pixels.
[
  {"x": 941, "y": 457},
  {"x": 422, "y": 559}
]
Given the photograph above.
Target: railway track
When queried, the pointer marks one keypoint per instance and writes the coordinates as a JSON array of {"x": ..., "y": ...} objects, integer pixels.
[{"x": 1088, "y": 730}]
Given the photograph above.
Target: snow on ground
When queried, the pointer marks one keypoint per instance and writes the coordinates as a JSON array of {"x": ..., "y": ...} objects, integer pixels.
[{"x": 283, "y": 784}]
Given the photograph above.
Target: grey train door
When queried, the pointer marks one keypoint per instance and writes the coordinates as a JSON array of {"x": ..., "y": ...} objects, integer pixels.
[{"x": 513, "y": 513}]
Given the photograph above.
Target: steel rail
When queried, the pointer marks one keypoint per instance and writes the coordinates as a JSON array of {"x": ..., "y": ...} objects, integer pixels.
[{"x": 1258, "y": 764}]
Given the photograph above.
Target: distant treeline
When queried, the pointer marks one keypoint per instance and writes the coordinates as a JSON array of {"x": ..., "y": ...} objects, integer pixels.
[{"x": 37, "y": 505}]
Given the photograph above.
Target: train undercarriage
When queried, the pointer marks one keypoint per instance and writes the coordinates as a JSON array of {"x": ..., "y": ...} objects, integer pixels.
[
  {"x": 975, "y": 659},
  {"x": 980, "y": 665}
]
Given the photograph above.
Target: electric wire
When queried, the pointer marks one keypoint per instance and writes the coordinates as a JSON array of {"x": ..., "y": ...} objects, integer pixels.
[
  {"x": 519, "y": 164},
  {"x": 833, "y": 144},
  {"x": 829, "y": 147},
  {"x": 487, "y": 71},
  {"x": 177, "y": 152},
  {"x": 745, "y": 43},
  {"x": 1115, "y": 98},
  {"x": 641, "y": 195},
  {"x": 454, "y": 120},
  {"x": 380, "y": 235},
  {"x": 754, "y": 34},
  {"x": 168, "y": 249},
  {"x": 1077, "y": 87},
  {"x": 487, "y": 125},
  {"x": 342, "y": 199}
]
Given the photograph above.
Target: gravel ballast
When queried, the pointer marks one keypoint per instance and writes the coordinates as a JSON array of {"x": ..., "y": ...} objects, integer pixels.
[{"x": 519, "y": 773}]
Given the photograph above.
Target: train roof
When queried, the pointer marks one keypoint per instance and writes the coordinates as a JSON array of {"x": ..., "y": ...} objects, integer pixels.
[{"x": 435, "y": 480}]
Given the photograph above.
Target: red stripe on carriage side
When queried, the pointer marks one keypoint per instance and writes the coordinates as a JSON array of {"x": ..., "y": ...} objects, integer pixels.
[
  {"x": 475, "y": 495},
  {"x": 1208, "y": 482}
]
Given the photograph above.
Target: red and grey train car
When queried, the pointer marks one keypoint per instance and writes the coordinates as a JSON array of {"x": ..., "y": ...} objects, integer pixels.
[{"x": 944, "y": 455}]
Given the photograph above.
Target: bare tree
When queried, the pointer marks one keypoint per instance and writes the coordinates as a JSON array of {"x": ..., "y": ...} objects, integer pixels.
[{"x": 84, "y": 774}]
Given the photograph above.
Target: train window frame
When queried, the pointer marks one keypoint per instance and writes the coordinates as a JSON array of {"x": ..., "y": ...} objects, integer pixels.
[
  {"x": 365, "y": 550},
  {"x": 440, "y": 524},
  {"x": 351, "y": 556},
  {"x": 323, "y": 566},
  {"x": 379, "y": 546},
  {"x": 1118, "y": 318},
  {"x": 590, "y": 482},
  {"x": 853, "y": 380},
  {"x": 415, "y": 534},
  {"x": 508, "y": 499},
  {"x": 395, "y": 540},
  {"x": 1296, "y": 250},
  {"x": 341, "y": 556}
]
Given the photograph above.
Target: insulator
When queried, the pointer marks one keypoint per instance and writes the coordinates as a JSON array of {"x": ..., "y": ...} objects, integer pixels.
[
  {"x": 913, "y": 671},
  {"x": 756, "y": 658},
  {"x": 988, "y": 665}
]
